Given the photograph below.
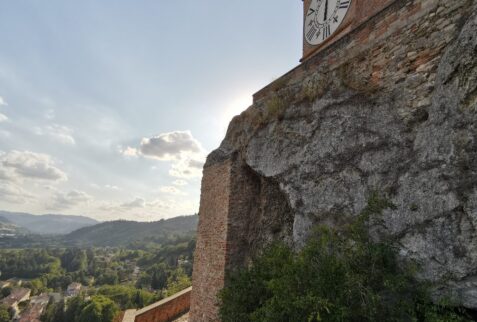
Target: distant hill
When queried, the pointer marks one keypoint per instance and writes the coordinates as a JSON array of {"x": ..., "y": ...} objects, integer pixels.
[
  {"x": 4, "y": 220},
  {"x": 47, "y": 224},
  {"x": 121, "y": 233},
  {"x": 7, "y": 228}
]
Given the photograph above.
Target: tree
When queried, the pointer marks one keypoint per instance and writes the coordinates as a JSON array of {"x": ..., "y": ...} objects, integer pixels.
[
  {"x": 177, "y": 282},
  {"x": 55, "y": 312},
  {"x": 74, "y": 260},
  {"x": 159, "y": 277},
  {"x": 73, "y": 308},
  {"x": 127, "y": 297},
  {"x": 4, "y": 314},
  {"x": 109, "y": 277},
  {"x": 99, "y": 309},
  {"x": 144, "y": 280},
  {"x": 138, "y": 300},
  {"x": 6, "y": 291}
]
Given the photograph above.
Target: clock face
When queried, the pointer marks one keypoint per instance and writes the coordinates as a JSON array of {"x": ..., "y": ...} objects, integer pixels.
[{"x": 323, "y": 18}]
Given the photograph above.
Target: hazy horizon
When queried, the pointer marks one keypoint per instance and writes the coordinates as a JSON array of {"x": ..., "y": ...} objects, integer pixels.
[{"x": 108, "y": 109}]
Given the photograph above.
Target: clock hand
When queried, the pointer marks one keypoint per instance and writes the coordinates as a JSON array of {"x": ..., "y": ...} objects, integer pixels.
[{"x": 326, "y": 11}]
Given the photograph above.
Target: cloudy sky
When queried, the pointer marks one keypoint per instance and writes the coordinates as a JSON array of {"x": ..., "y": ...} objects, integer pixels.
[{"x": 109, "y": 107}]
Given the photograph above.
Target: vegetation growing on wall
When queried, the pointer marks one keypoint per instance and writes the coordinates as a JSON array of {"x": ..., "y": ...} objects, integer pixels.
[
  {"x": 313, "y": 89},
  {"x": 338, "y": 276}
]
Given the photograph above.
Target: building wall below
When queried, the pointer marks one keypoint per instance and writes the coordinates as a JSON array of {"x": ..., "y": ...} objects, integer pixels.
[{"x": 166, "y": 310}]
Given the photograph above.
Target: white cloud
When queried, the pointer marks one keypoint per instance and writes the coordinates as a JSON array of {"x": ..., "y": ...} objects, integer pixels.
[
  {"x": 68, "y": 200},
  {"x": 3, "y": 102},
  {"x": 112, "y": 187},
  {"x": 187, "y": 168},
  {"x": 13, "y": 194},
  {"x": 30, "y": 165},
  {"x": 170, "y": 146},
  {"x": 59, "y": 133},
  {"x": 179, "y": 183},
  {"x": 3, "y": 118},
  {"x": 6, "y": 174},
  {"x": 129, "y": 152},
  {"x": 159, "y": 204},
  {"x": 179, "y": 147},
  {"x": 171, "y": 190},
  {"x": 136, "y": 203},
  {"x": 108, "y": 187}
]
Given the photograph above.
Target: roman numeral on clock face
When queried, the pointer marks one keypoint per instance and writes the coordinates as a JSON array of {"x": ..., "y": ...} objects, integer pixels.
[
  {"x": 326, "y": 31},
  {"x": 323, "y": 18},
  {"x": 344, "y": 5},
  {"x": 311, "y": 33}
]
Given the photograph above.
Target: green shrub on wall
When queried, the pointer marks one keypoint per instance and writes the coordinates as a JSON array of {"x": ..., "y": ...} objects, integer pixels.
[{"x": 338, "y": 276}]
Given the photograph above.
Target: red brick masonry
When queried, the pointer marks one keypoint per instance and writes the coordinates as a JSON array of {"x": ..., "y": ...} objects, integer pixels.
[{"x": 166, "y": 310}]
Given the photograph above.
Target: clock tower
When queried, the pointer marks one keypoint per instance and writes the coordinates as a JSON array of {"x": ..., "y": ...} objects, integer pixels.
[{"x": 326, "y": 21}]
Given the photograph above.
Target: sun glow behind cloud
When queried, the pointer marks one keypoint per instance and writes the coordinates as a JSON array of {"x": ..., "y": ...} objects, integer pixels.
[
  {"x": 235, "y": 107},
  {"x": 163, "y": 108}
]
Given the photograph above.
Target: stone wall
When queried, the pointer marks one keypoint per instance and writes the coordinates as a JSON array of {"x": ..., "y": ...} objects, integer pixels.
[
  {"x": 389, "y": 107},
  {"x": 166, "y": 310}
]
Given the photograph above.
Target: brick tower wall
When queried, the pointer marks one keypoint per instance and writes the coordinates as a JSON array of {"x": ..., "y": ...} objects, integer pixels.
[{"x": 210, "y": 252}]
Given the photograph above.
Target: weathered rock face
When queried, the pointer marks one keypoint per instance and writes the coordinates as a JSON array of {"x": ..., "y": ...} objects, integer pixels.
[{"x": 397, "y": 116}]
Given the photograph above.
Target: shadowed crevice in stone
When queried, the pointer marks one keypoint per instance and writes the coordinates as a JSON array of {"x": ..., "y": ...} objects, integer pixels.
[{"x": 259, "y": 214}]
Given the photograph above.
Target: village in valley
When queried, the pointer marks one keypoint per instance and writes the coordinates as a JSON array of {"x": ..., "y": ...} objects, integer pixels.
[
  {"x": 26, "y": 308},
  {"x": 17, "y": 296}
]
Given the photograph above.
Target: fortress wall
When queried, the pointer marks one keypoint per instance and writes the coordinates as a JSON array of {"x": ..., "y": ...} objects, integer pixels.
[
  {"x": 420, "y": 27},
  {"x": 210, "y": 253},
  {"x": 266, "y": 173}
]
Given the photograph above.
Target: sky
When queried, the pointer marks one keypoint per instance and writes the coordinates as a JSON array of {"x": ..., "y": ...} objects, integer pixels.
[{"x": 108, "y": 108}]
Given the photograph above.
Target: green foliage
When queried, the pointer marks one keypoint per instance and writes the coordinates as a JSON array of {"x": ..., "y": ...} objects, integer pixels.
[
  {"x": 159, "y": 277},
  {"x": 36, "y": 286},
  {"x": 99, "y": 309},
  {"x": 29, "y": 263},
  {"x": 127, "y": 297},
  {"x": 74, "y": 259},
  {"x": 128, "y": 233},
  {"x": 108, "y": 277},
  {"x": 5, "y": 291},
  {"x": 55, "y": 312},
  {"x": 177, "y": 282},
  {"x": 4, "y": 314},
  {"x": 338, "y": 276},
  {"x": 110, "y": 273}
]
